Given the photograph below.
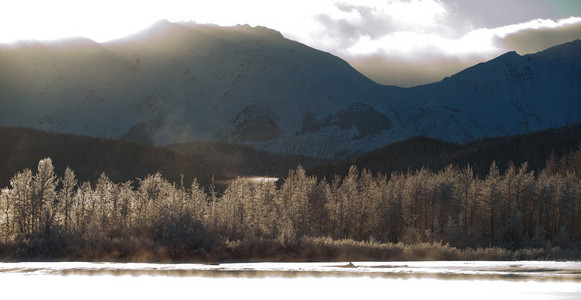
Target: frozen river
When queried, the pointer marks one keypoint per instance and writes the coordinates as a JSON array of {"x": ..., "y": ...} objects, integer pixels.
[{"x": 359, "y": 280}]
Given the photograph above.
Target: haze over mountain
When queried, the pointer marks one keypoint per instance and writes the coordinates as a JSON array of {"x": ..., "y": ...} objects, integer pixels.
[{"x": 185, "y": 82}]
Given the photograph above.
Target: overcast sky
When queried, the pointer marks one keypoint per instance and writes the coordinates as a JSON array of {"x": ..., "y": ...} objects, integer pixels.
[{"x": 398, "y": 42}]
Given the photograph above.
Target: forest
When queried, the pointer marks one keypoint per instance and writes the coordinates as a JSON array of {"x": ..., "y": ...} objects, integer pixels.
[
  {"x": 121, "y": 160},
  {"x": 535, "y": 148},
  {"x": 447, "y": 214}
]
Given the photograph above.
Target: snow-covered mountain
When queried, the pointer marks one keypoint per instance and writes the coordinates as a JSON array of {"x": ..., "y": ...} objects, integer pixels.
[
  {"x": 508, "y": 95},
  {"x": 185, "y": 82}
]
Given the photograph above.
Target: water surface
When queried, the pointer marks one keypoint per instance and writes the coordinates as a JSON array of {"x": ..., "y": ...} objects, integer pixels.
[{"x": 374, "y": 280}]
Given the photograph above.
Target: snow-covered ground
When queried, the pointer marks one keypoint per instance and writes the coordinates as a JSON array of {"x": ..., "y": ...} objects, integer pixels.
[{"x": 361, "y": 280}]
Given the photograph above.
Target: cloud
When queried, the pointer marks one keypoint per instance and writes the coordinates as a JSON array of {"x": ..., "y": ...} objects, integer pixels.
[
  {"x": 533, "y": 40},
  {"x": 498, "y": 13},
  {"x": 356, "y": 21},
  {"x": 419, "y": 28},
  {"x": 348, "y": 23},
  {"x": 493, "y": 13},
  {"x": 408, "y": 58}
]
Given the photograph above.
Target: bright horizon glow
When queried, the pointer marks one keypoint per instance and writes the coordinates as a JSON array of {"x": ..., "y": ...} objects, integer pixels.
[
  {"x": 409, "y": 31},
  {"x": 108, "y": 20}
]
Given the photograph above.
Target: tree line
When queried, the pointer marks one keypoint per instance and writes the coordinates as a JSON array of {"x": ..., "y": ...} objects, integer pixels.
[
  {"x": 122, "y": 161},
  {"x": 423, "y": 152},
  {"x": 44, "y": 215}
]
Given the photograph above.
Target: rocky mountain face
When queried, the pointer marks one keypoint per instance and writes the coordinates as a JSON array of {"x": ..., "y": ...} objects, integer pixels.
[{"x": 249, "y": 85}]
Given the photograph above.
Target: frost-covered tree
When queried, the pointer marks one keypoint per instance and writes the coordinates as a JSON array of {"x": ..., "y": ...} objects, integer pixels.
[
  {"x": 6, "y": 216},
  {"x": 335, "y": 209},
  {"x": 416, "y": 199},
  {"x": 45, "y": 203},
  {"x": 198, "y": 203},
  {"x": 259, "y": 210},
  {"x": 515, "y": 209},
  {"x": 490, "y": 198},
  {"x": 351, "y": 202},
  {"x": 154, "y": 198},
  {"x": 69, "y": 183},
  {"x": 20, "y": 195},
  {"x": 366, "y": 205},
  {"x": 106, "y": 202},
  {"x": 230, "y": 209},
  {"x": 126, "y": 205},
  {"x": 84, "y": 209},
  {"x": 294, "y": 200}
]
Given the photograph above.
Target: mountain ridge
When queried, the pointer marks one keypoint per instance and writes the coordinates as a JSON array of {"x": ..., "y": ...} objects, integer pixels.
[{"x": 250, "y": 85}]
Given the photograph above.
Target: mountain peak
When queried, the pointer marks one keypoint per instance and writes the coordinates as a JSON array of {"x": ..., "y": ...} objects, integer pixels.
[
  {"x": 164, "y": 30},
  {"x": 159, "y": 30},
  {"x": 261, "y": 30},
  {"x": 509, "y": 55},
  {"x": 182, "y": 82}
]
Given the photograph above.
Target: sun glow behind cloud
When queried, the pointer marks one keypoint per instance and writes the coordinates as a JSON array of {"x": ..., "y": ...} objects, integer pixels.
[
  {"x": 416, "y": 13},
  {"x": 112, "y": 19},
  {"x": 49, "y": 20}
]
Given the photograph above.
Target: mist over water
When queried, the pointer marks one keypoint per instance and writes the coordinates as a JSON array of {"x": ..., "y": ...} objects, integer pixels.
[{"x": 358, "y": 280}]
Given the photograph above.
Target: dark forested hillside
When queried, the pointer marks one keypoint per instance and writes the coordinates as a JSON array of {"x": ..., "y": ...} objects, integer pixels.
[
  {"x": 22, "y": 148},
  {"x": 122, "y": 160},
  {"x": 421, "y": 152},
  {"x": 239, "y": 160}
]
